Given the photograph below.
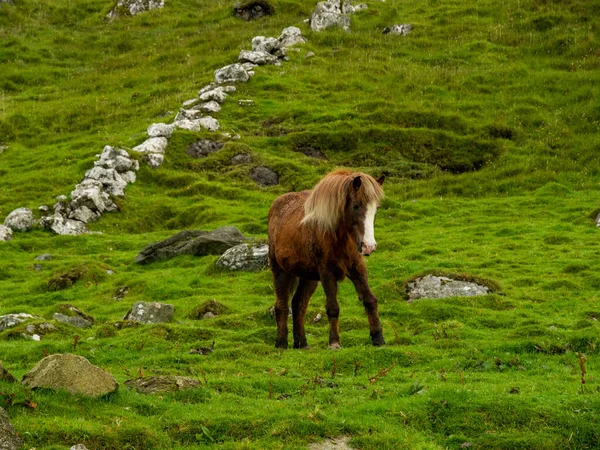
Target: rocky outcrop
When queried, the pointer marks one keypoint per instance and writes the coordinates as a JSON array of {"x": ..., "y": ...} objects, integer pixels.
[
  {"x": 134, "y": 7},
  {"x": 194, "y": 242},
  {"x": 244, "y": 258},
  {"x": 71, "y": 373},
  {"x": 431, "y": 286},
  {"x": 21, "y": 219},
  {"x": 5, "y": 233},
  {"x": 150, "y": 312},
  {"x": 157, "y": 385},
  {"x": 264, "y": 176},
  {"x": 399, "y": 30},
  {"x": 331, "y": 14},
  {"x": 9, "y": 440}
]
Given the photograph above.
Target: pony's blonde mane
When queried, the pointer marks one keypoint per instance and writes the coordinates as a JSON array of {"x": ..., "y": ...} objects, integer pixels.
[{"x": 325, "y": 205}]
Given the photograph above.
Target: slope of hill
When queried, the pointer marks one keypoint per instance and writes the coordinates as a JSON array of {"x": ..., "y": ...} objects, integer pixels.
[{"x": 485, "y": 120}]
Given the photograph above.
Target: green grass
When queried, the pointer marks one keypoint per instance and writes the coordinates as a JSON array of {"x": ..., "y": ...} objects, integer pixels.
[{"x": 485, "y": 121}]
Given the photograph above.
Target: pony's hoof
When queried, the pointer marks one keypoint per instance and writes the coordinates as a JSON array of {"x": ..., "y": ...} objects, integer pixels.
[
  {"x": 281, "y": 345},
  {"x": 335, "y": 346},
  {"x": 377, "y": 339}
]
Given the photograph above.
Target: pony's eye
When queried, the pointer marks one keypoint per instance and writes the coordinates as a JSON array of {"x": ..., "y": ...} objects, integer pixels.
[{"x": 356, "y": 207}]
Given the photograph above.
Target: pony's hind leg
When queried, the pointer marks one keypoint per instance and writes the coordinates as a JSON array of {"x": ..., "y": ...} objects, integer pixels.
[
  {"x": 306, "y": 289},
  {"x": 333, "y": 310},
  {"x": 284, "y": 283}
]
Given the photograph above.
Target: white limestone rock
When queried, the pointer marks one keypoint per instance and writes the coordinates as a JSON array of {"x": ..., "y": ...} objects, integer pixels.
[
  {"x": 160, "y": 130},
  {"x": 152, "y": 145},
  {"x": 21, "y": 219},
  {"x": 232, "y": 73},
  {"x": 5, "y": 233}
]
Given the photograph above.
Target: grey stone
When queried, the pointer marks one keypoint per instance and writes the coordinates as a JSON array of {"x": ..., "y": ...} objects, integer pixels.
[
  {"x": 21, "y": 219},
  {"x": 134, "y": 7},
  {"x": 117, "y": 159},
  {"x": 268, "y": 45},
  {"x": 251, "y": 10},
  {"x": 61, "y": 198},
  {"x": 291, "y": 36},
  {"x": 209, "y": 107},
  {"x": 209, "y": 315},
  {"x": 11, "y": 320},
  {"x": 9, "y": 439},
  {"x": 78, "y": 447},
  {"x": 37, "y": 267},
  {"x": 83, "y": 214},
  {"x": 5, "y": 375},
  {"x": 154, "y": 160},
  {"x": 309, "y": 55},
  {"x": 76, "y": 321},
  {"x": 43, "y": 209},
  {"x": 187, "y": 114},
  {"x": 91, "y": 193},
  {"x": 203, "y": 148},
  {"x": 152, "y": 145},
  {"x": 432, "y": 287},
  {"x": 246, "y": 102},
  {"x": 400, "y": 30},
  {"x": 112, "y": 182},
  {"x": 244, "y": 258},
  {"x": 190, "y": 125},
  {"x": 264, "y": 176},
  {"x": 150, "y": 312},
  {"x": 329, "y": 14},
  {"x": 217, "y": 94},
  {"x": 35, "y": 331},
  {"x": 232, "y": 73},
  {"x": 44, "y": 257},
  {"x": 189, "y": 103},
  {"x": 258, "y": 57},
  {"x": 242, "y": 158},
  {"x": 70, "y": 373},
  {"x": 249, "y": 66},
  {"x": 160, "y": 130},
  {"x": 209, "y": 123},
  {"x": 194, "y": 242},
  {"x": 154, "y": 385},
  {"x": 5, "y": 233}
]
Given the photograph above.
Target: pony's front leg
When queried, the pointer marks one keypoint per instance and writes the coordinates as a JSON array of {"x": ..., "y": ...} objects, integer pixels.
[
  {"x": 333, "y": 310},
  {"x": 305, "y": 290},
  {"x": 359, "y": 278},
  {"x": 284, "y": 283}
]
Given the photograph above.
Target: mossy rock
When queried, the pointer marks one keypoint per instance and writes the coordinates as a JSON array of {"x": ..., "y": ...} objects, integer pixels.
[{"x": 211, "y": 306}]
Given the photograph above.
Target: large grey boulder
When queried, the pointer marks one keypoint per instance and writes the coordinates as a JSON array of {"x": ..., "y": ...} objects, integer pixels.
[
  {"x": 5, "y": 233},
  {"x": 245, "y": 258},
  {"x": 431, "y": 286},
  {"x": 264, "y": 176},
  {"x": 9, "y": 440},
  {"x": 330, "y": 14},
  {"x": 71, "y": 373},
  {"x": 133, "y": 7},
  {"x": 192, "y": 242},
  {"x": 157, "y": 385},
  {"x": 150, "y": 312},
  {"x": 232, "y": 73},
  {"x": 21, "y": 219}
]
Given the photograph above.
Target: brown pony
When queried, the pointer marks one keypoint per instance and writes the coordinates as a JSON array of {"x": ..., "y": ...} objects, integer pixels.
[{"x": 322, "y": 235}]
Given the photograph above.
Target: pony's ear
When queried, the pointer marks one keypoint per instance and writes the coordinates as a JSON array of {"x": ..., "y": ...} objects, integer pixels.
[
  {"x": 356, "y": 183},
  {"x": 381, "y": 179}
]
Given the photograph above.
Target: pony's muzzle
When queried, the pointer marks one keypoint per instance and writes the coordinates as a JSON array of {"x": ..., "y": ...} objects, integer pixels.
[{"x": 367, "y": 249}]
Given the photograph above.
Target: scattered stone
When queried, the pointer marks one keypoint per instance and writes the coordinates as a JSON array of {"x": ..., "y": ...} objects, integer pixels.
[
  {"x": 11, "y": 320},
  {"x": 154, "y": 160},
  {"x": 152, "y": 145},
  {"x": 309, "y": 55},
  {"x": 70, "y": 227},
  {"x": 259, "y": 57},
  {"x": 9, "y": 439},
  {"x": 71, "y": 373},
  {"x": 209, "y": 123},
  {"x": 264, "y": 176},
  {"x": 190, "y": 125},
  {"x": 431, "y": 286},
  {"x": 398, "y": 30},
  {"x": 155, "y": 385},
  {"x": 203, "y": 148},
  {"x": 194, "y": 242},
  {"x": 150, "y": 312},
  {"x": 21, "y": 219},
  {"x": 5, "y": 233},
  {"x": 43, "y": 209},
  {"x": 35, "y": 331},
  {"x": 311, "y": 152},
  {"x": 253, "y": 9},
  {"x": 160, "y": 130},
  {"x": 76, "y": 321},
  {"x": 244, "y": 258},
  {"x": 5, "y": 375},
  {"x": 37, "y": 267},
  {"x": 187, "y": 114},
  {"x": 246, "y": 102},
  {"x": 360, "y": 7},
  {"x": 134, "y": 7},
  {"x": 217, "y": 94},
  {"x": 61, "y": 198},
  {"x": 209, "y": 309},
  {"x": 120, "y": 293},
  {"x": 291, "y": 36},
  {"x": 317, "y": 318},
  {"x": 232, "y": 73},
  {"x": 209, "y": 107},
  {"x": 190, "y": 103},
  {"x": 268, "y": 45},
  {"x": 242, "y": 158},
  {"x": 330, "y": 14}
]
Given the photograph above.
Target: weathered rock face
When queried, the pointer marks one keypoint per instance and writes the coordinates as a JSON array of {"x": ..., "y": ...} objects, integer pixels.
[
  {"x": 253, "y": 9},
  {"x": 21, "y": 219},
  {"x": 9, "y": 440},
  {"x": 154, "y": 385},
  {"x": 195, "y": 242},
  {"x": 5, "y": 233},
  {"x": 401, "y": 30},
  {"x": 431, "y": 286},
  {"x": 5, "y": 375},
  {"x": 232, "y": 73},
  {"x": 264, "y": 176},
  {"x": 203, "y": 148},
  {"x": 150, "y": 312},
  {"x": 330, "y": 14},
  {"x": 11, "y": 320},
  {"x": 245, "y": 258},
  {"x": 71, "y": 373},
  {"x": 133, "y": 7}
]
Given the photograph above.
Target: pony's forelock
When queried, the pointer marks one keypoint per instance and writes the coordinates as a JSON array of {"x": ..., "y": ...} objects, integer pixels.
[{"x": 325, "y": 205}]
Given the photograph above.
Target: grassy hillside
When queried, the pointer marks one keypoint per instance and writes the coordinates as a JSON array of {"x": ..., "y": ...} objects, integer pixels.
[{"x": 485, "y": 121}]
